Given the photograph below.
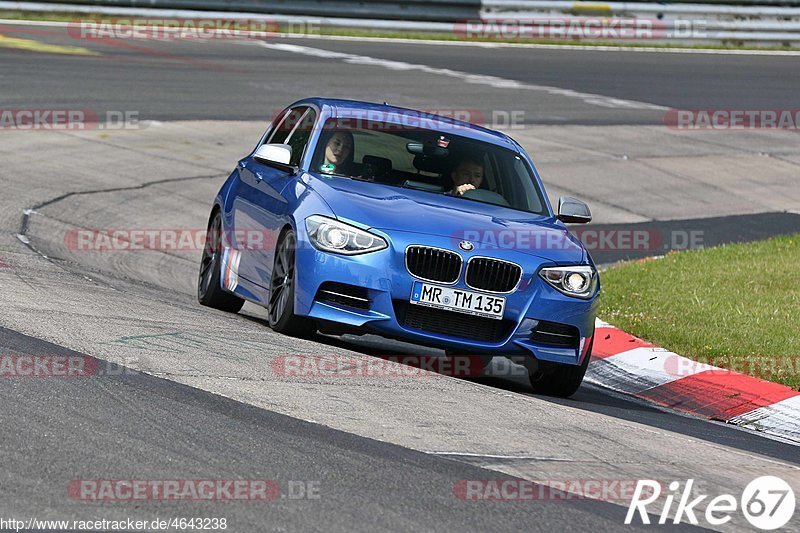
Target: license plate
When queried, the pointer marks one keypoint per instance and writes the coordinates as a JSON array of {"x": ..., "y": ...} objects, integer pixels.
[{"x": 460, "y": 301}]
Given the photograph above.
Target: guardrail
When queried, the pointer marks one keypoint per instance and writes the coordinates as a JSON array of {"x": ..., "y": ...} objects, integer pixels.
[
  {"x": 419, "y": 10},
  {"x": 687, "y": 22},
  {"x": 541, "y": 19}
]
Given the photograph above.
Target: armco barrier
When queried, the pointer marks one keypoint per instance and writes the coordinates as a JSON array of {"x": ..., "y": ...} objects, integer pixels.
[
  {"x": 418, "y": 10},
  {"x": 709, "y": 22}
]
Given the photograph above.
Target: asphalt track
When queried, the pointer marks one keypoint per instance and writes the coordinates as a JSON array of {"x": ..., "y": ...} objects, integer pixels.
[
  {"x": 189, "y": 432},
  {"x": 205, "y": 404},
  {"x": 226, "y": 80}
]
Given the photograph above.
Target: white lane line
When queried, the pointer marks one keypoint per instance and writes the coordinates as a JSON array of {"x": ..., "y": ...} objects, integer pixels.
[
  {"x": 478, "y": 79},
  {"x": 542, "y": 46},
  {"x": 494, "y": 456}
]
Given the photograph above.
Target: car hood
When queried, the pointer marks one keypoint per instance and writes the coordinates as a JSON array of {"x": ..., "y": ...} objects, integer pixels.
[{"x": 486, "y": 226}]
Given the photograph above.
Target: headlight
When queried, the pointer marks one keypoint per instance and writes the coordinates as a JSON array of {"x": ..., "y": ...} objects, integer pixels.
[
  {"x": 579, "y": 281},
  {"x": 331, "y": 235}
]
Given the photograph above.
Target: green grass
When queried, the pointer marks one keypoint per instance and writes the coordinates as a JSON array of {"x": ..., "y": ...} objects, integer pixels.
[
  {"x": 734, "y": 306},
  {"x": 55, "y": 16}
]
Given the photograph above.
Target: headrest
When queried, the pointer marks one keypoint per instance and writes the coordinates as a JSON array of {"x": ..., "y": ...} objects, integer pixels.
[
  {"x": 436, "y": 165},
  {"x": 375, "y": 167}
]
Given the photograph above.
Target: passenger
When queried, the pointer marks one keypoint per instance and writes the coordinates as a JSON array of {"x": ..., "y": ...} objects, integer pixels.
[
  {"x": 338, "y": 153},
  {"x": 466, "y": 176}
]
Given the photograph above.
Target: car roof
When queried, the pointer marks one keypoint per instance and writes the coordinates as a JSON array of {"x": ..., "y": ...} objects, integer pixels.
[{"x": 394, "y": 114}]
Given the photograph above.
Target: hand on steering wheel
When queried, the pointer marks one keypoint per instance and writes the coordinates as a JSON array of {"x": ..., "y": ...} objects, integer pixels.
[{"x": 461, "y": 189}]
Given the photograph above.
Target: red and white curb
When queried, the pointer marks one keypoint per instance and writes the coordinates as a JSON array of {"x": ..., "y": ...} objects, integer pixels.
[{"x": 626, "y": 364}]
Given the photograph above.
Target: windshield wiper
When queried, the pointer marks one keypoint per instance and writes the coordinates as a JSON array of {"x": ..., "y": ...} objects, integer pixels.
[{"x": 348, "y": 176}]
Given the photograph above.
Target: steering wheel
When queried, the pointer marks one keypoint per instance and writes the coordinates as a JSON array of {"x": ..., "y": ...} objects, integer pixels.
[{"x": 483, "y": 195}]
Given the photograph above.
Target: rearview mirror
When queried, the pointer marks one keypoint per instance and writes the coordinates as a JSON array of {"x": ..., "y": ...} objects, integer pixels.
[
  {"x": 274, "y": 153},
  {"x": 427, "y": 149},
  {"x": 573, "y": 211}
]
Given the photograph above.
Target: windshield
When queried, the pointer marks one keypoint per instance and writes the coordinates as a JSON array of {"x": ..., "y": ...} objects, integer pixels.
[{"x": 427, "y": 160}]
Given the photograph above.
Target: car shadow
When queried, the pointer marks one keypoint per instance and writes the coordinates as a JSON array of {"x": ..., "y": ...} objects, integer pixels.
[
  {"x": 504, "y": 375},
  {"x": 500, "y": 374}
]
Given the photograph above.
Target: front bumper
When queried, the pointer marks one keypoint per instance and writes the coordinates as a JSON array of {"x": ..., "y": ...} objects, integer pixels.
[{"x": 384, "y": 281}]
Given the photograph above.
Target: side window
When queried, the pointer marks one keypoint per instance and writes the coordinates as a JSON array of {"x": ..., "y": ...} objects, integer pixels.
[
  {"x": 295, "y": 130},
  {"x": 273, "y": 127},
  {"x": 528, "y": 198},
  {"x": 286, "y": 126},
  {"x": 298, "y": 139}
]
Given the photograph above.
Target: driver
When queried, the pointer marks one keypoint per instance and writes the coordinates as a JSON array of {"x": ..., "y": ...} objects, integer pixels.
[
  {"x": 338, "y": 155},
  {"x": 467, "y": 175}
]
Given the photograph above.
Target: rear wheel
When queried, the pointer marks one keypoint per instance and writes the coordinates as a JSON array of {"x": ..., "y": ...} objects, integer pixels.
[
  {"x": 559, "y": 379},
  {"x": 281, "y": 292},
  {"x": 209, "y": 290}
]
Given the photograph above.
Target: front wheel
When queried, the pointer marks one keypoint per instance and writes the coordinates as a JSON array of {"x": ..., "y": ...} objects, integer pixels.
[
  {"x": 209, "y": 291},
  {"x": 281, "y": 292},
  {"x": 559, "y": 379}
]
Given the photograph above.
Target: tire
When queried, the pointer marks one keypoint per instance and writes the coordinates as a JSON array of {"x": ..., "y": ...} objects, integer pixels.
[
  {"x": 209, "y": 291},
  {"x": 280, "y": 311},
  {"x": 559, "y": 379}
]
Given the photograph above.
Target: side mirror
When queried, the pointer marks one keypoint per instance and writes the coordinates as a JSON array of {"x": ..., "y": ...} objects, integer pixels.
[
  {"x": 279, "y": 154},
  {"x": 573, "y": 211}
]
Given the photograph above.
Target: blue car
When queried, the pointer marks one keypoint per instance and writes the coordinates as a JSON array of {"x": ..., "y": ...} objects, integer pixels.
[{"x": 361, "y": 217}]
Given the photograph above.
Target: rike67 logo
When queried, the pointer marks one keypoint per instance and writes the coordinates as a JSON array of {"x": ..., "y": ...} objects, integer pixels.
[{"x": 767, "y": 502}]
